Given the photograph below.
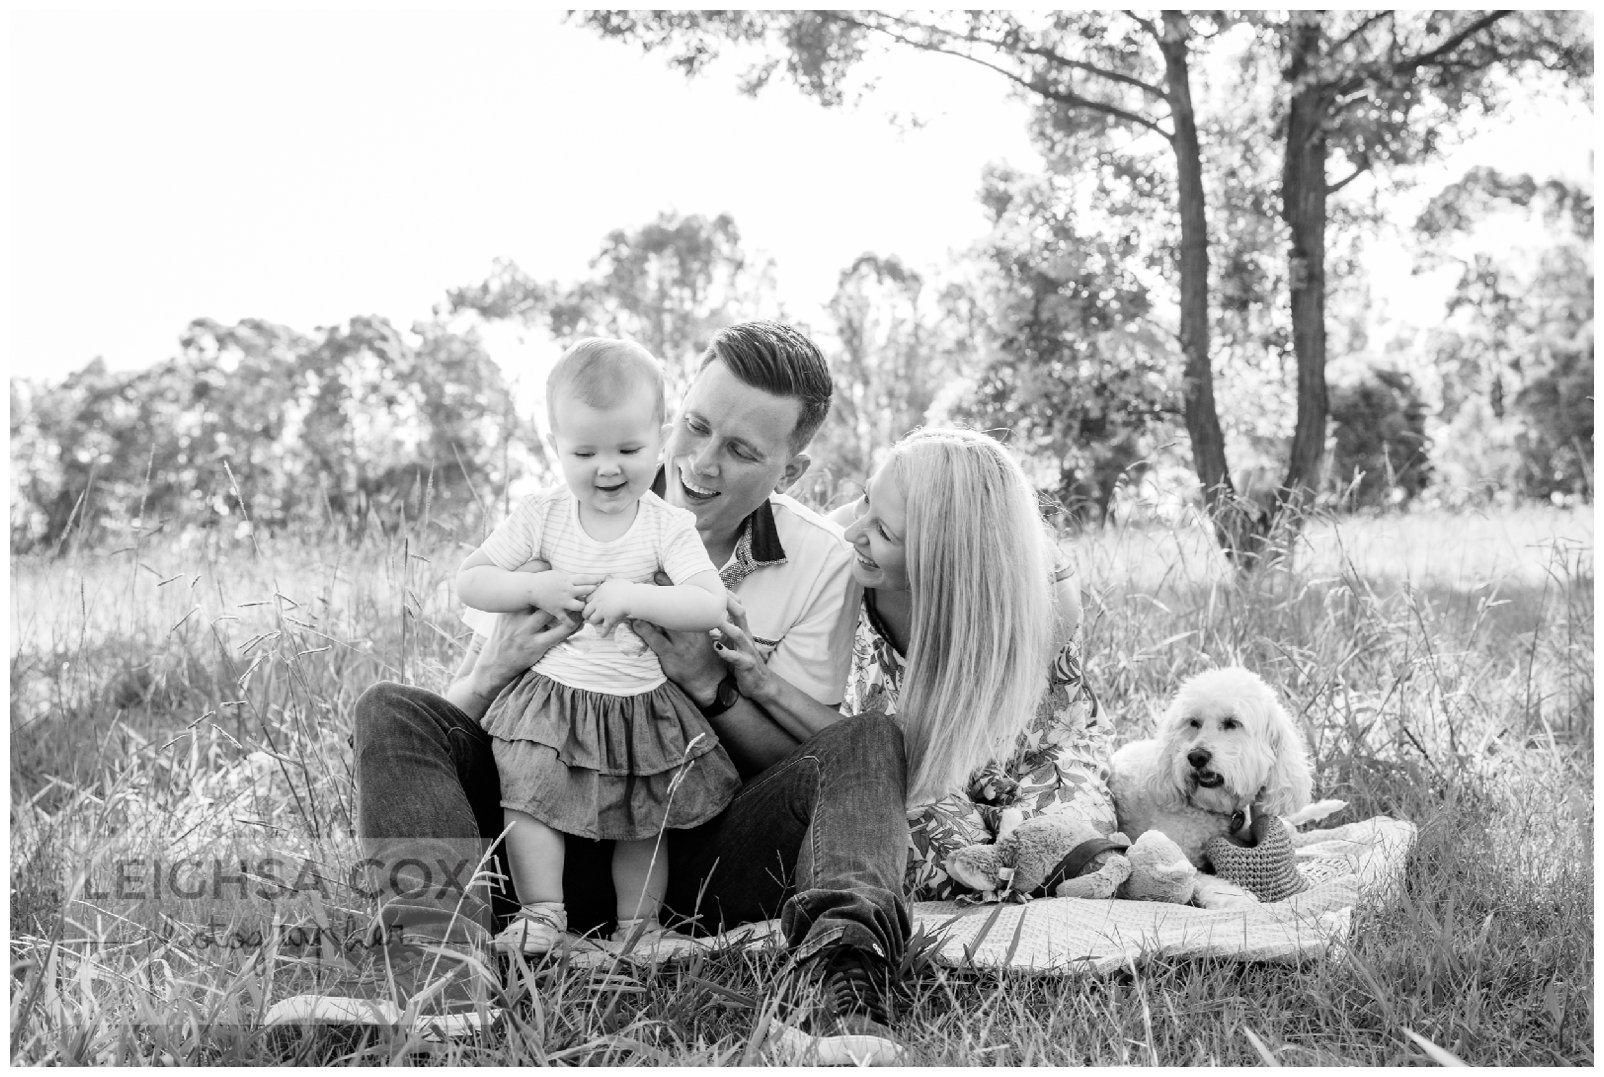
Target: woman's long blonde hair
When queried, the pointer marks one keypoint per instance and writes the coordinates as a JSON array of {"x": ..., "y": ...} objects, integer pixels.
[{"x": 982, "y": 612}]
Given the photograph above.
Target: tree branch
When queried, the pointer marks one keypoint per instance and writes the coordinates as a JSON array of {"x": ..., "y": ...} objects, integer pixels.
[
  {"x": 1358, "y": 170},
  {"x": 1033, "y": 50},
  {"x": 1146, "y": 24},
  {"x": 1436, "y": 55},
  {"x": 1361, "y": 28},
  {"x": 1064, "y": 97}
]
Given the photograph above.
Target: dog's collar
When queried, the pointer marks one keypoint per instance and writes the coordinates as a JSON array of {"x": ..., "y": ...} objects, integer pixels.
[{"x": 1238, "y": 819}]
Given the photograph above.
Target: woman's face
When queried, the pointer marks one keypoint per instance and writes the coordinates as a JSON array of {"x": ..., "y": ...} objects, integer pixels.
[{"x": 879, "y": 535}]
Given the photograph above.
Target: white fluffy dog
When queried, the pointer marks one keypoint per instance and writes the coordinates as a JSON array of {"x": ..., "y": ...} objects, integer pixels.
[{"x": 1224, "y": 749}]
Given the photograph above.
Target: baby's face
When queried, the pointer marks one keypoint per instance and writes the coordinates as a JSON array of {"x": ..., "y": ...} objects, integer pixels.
[{"x": 608, "y": 455}]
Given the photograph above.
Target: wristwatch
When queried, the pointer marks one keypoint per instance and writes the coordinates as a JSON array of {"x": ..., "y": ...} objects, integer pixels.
[{"x": 724, "y": 697}]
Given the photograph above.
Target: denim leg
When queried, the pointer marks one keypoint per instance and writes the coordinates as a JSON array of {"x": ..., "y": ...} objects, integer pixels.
[
  {"x": 820, "y": 839},
  {"x": 429, "y": 804}
]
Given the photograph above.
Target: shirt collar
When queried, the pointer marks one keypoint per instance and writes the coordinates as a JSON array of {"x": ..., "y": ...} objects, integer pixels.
[{"x": 757, "y": 544}]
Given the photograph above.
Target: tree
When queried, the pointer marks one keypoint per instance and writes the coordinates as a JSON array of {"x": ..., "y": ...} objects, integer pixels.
[
  {"x": 1075, "y": 368},
  {"x": 669, "y": 284},
  {"x": 1352, "y": 84},
  {"x": 1380, "y": 453},
  {"x": 1088, "y": 72},
  {"x": 1515, "y": 349},
  {"x": 892, "y": 356},
  {"x": 1357, "y": 85}
]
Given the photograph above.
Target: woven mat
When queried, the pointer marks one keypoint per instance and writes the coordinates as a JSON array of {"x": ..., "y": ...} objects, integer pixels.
[{"x": 1347, "y": 867}]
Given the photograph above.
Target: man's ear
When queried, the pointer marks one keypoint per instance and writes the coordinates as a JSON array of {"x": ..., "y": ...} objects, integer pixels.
[{"x": 795, "y": 468}]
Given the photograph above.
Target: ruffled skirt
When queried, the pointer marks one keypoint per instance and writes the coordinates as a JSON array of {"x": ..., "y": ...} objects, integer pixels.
[{"x": 607, "y": 766}]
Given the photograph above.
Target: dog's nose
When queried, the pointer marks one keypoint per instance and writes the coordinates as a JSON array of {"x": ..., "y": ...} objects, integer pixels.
[{"x": 1198, "y": 757}]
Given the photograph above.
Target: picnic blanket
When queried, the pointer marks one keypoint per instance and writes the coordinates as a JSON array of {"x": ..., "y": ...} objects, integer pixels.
[{"x": 1348, "y": 867}]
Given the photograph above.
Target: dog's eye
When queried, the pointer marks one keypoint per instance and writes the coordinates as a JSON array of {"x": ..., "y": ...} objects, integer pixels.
[
  {"x": 1229, "y": 723},
  {"x": 1194, "y": 723}
]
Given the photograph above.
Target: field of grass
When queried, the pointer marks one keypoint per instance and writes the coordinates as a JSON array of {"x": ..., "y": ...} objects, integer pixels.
[{"x": 178, "y": 697}]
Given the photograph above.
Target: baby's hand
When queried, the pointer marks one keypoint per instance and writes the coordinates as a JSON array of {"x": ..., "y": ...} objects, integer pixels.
[
  {"x": 608, "y": 604},
  {"x": 560, "y": 593}
]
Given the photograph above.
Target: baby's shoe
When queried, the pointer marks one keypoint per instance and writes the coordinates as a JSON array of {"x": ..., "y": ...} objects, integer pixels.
[{"x": 537, "y": 929}]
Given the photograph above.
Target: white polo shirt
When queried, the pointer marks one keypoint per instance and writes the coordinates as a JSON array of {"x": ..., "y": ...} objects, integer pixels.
[{"x": 792, "y": 571}]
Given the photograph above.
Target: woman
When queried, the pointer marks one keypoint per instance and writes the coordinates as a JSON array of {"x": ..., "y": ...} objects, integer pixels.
[{"x": 968, "y": 639}]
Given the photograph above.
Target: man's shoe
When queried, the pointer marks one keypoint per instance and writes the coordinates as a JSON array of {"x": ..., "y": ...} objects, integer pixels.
[
  {"x": 850, "y": 1023},
  {"x": 442, "y": 991}
]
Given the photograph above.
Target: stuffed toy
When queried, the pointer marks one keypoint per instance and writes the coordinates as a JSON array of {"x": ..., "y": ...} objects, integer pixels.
[{"x": 1061, "y": 855}]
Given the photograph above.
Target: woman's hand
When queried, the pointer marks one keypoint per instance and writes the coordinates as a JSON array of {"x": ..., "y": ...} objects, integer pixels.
[{"x": 734, "y": 645}]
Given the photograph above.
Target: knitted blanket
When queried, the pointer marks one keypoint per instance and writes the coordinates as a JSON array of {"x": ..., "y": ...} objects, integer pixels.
[{"x": 1360, "y": 864}]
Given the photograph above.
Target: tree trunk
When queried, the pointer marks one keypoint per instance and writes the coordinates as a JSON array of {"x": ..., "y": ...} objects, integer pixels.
[
  {"x": 1232, "y": 526},
  {"x": 1303, "y": 207}
]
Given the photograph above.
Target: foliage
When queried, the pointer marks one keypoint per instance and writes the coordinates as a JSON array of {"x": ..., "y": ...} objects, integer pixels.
[
  {"x": 1379, "y": 431},
  {"x": 1515, "y": 351},
  {"x": 255, "y": 422},
  {"x": 669, "y": 284},
  {"x": 1356, "y": 90},
  {"x": 1076, "y": 370},
  {"x": 899, "y": 342}
]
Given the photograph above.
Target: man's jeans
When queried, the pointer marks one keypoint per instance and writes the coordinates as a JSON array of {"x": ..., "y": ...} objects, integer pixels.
[{"x": 820, "y": 839}]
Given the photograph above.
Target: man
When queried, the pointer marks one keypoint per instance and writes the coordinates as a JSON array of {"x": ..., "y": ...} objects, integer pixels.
[{"x": 818, "y": 835}]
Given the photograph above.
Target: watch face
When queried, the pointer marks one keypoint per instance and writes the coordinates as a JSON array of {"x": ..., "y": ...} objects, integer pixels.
[{"x": 728, "y": 692}]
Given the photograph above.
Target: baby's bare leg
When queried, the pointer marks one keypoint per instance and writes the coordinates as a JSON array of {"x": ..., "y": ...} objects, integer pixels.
[
  {"x": 640, "y": 876},
  {"x": 535, "y": 858}
]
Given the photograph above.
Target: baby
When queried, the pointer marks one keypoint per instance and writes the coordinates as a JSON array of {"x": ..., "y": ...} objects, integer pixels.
[{"x": 590, "y": 741}]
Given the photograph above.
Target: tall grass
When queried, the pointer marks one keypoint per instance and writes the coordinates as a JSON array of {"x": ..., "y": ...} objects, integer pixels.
[{"x": 177, "y": 695}]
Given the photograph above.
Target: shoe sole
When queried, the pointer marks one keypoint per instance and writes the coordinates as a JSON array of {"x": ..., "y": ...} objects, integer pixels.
[
  {"x": 798, "y": 1047},
  {"x": 338, "y": 1010}
]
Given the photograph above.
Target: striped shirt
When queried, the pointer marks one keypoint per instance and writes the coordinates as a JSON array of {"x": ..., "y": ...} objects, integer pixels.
[{"x": 546, "y": 526}]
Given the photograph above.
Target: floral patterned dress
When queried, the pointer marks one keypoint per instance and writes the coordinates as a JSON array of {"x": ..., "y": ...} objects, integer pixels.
[{"x": 1059, "y": 763}]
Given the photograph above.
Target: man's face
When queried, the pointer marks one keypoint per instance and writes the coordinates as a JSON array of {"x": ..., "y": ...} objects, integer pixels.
[{"x": 729, "y": 449}]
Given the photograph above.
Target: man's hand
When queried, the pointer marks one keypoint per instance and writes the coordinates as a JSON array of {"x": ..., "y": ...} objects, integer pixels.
[
  {"x": 687, "y": 658},
  {"x": 516, "y": 642}
]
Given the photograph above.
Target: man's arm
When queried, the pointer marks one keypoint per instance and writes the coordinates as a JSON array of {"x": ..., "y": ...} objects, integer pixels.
[
  {"x": 516, "y": 642},
  {"x": 752, "y": 738}
]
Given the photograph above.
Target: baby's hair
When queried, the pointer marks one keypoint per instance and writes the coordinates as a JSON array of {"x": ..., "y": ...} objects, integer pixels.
[{"x": 602, "y": 372}]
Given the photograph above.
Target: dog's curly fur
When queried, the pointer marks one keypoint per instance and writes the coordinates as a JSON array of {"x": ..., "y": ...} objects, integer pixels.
[{"x": 1224, "y": 745}]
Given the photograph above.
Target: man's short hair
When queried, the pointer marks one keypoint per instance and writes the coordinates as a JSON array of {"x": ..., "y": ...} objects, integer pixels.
[
  {"x": 601, "y": 372},
  {"x": 779, "y": 360}
]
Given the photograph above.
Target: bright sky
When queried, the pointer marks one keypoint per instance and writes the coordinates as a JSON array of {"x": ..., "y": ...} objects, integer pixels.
[{"x": 307, "y": 167}]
